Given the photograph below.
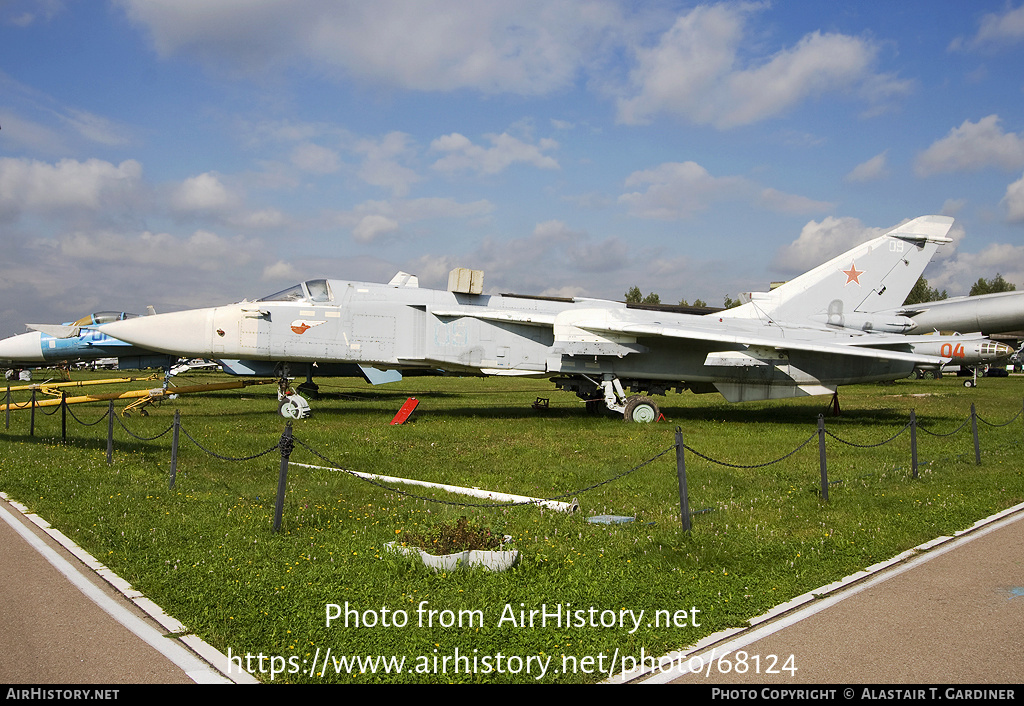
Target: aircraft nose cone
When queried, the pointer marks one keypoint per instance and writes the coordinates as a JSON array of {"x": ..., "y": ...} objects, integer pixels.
[
  {"x": 24, "y": 348},
  {"x": 182, "y": 333}
]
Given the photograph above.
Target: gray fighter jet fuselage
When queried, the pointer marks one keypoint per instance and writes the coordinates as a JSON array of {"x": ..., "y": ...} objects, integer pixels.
[
  {"x": 584, "y": 341},
  {"x": 596, "y": 348}
]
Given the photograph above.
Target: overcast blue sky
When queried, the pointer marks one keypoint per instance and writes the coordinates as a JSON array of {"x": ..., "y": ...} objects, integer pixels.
[{"x": 183, "y": 153}]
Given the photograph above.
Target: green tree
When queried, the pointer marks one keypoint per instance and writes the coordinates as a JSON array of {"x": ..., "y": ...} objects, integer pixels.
[
  {"x": 700, "y": 303},
  {"x": 730, "y": 302},
  {"x": 923, "y": 293},
  {"x": 635, "y": 296},
  {"x": 996, "y": 284}
]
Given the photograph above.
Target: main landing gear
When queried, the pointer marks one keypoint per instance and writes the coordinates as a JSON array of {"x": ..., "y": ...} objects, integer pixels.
[
  {"x": 633, "y": 408},
  {"x": 641, "y": 409}
]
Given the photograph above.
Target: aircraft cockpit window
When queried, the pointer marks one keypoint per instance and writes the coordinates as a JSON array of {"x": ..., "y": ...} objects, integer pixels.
[
  {"x": 104, "y": 317},
  {"x": 318, "y": 290},
  {"x": 291, "y": 294}
]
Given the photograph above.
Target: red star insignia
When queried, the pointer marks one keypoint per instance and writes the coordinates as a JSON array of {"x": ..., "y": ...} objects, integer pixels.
[{"x": 852, "y": 274}]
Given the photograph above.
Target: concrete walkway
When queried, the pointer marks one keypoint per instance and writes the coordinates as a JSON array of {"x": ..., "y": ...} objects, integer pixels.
[
  {"x": 948, "y": 612},
  {"x": 67, "y": 619}
]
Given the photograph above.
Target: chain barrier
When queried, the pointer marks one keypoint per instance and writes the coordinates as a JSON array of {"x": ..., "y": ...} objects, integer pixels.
[
  {"x": 756, "y": 465},
  {"x": 933, "y": 433},
  {"x": 1004, "y": 424},
  {"x": 86, "y": 424},
  {"x": 136, "y": 436},
  {"x": 273, "y": 448},
  {"x": 286, "y": 444},
  {"x": 869, "y": 446}
]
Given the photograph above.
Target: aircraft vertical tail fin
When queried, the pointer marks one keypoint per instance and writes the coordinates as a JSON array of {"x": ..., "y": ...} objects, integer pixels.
[{"x": 872, "y": 277}]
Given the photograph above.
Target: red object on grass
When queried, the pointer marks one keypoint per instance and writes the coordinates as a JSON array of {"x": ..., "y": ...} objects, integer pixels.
[{"x": 405, "y": 411}]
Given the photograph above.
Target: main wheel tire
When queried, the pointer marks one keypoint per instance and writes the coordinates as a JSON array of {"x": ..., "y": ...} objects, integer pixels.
[
  {"x": 968, "y": 383},
  {"x": 641, "y": 410}
]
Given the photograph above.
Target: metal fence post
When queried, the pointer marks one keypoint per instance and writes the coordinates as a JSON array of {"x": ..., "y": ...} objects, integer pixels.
[
  {"x": 821, "y": 457},
  {"x": 32, "y": 419},
  {"x": 63, "y": 417},
  {"x": 684, "y": 498},
  {"x": 174, "y": 446},
  {"x": 974, "y": 430},
  {"x": 7, "y": 416},
  {"x": 282, "y": 478},
  {"x": 110, "y": 433},
  {"x": 913, "y": 442}
]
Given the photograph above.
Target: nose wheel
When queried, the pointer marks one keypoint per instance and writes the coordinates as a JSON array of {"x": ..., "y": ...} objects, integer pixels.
[
  {"x": 294, "y": 407},
  {"x": 290, "y": 405}
]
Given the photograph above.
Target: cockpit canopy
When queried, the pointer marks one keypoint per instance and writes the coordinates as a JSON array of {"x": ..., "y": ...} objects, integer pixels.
[
  {"x": 312, "y": 290},
  {"x": 104, "y": 317}
]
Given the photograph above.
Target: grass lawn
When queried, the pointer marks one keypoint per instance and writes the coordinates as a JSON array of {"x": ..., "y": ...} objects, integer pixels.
[{"x": 205, "y": 551}]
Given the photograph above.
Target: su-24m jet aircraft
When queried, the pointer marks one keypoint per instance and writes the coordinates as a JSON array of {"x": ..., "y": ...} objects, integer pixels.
[{"x": 596, "y": 348}]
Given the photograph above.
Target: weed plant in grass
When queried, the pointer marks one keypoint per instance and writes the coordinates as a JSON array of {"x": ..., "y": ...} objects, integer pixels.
[
  {"x": 448, "y": 538},
  {"x": 204, "y": 550}
]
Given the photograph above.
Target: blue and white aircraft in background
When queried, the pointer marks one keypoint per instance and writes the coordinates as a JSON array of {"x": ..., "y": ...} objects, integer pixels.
[
  {"x": 84, "y": 341},
  {"x": 78, "y": 341}
]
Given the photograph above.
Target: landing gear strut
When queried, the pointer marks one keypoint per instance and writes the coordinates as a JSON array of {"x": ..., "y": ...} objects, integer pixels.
[
  {"x": 635, "y": 408},
  {"x": 608, "y": 393},
  {"x": 289, "y": 404}
]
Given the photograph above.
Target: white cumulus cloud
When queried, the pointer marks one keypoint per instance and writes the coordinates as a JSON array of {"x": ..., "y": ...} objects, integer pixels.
[
  {"x": 971, "y": 147},
  {"x": 959, "y": 273},
  {"x": 315, "y": 159},
  {"x": 372, "y": 227},
  {"x": 697, "y": 71},
  {"x": 44, "y": 189},
  {"x": 385, "y": 162},
  {"x": 819, "y": 242},
  {"x": 528, "y": 47},
  {"x": 1014, "y": 201},
  {"x": 461, "y": 154},
  {"x": 995, "y": 30},
  {"x": 204, "y": 193},
  {"x": 678, "y": 190},
  {"x": 871, "y": 170}
]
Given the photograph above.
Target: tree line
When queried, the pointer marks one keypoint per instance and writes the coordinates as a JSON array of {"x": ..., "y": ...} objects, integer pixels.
[{"x": 923, "y": 293}]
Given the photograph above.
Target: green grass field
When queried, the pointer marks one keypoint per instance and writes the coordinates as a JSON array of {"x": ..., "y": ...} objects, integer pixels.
[{"x": 205, "y": 551}]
